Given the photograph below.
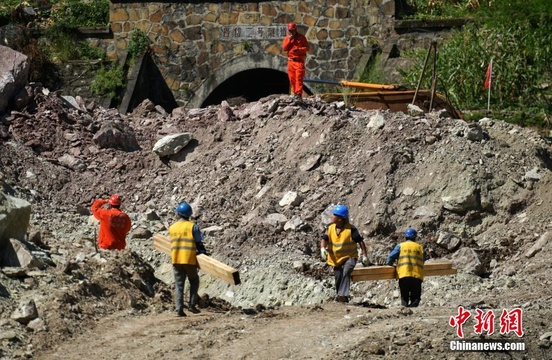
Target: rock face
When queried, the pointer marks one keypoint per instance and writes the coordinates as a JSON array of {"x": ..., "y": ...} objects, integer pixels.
[
  {"x": 14, "y": 70},
  {"x": 14, "y": 218},
  {"x": 262, "y": 184}
]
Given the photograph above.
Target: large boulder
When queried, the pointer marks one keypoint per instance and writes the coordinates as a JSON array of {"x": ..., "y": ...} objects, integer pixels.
[
  {"x": 14, "y": 71},
  {"x": 15, "y": 214},
  {"x": 172, "y": 144},
  {"x": 116, "y": 135}
]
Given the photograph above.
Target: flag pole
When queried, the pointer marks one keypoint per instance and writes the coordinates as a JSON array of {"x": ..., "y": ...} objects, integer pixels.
[{"x": 489, "y": 87}]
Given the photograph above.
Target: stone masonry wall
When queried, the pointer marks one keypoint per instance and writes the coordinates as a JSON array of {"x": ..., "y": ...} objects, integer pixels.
[{"x": 193, "y": 43}]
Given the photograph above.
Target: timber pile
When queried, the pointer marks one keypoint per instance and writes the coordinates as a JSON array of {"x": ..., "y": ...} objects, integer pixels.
[
  {"x": 206, "y": 263},
  {"x": 389, "y": 272}
]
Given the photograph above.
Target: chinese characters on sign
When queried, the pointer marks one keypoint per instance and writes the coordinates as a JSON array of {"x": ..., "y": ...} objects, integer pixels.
[
  {"x": 510, "y": 321},
  {"x": 253, "y": 32}
]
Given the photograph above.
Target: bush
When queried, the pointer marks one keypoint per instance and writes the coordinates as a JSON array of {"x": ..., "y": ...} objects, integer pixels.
[
  {"x": 7, "y": 7},
  {"x": 77, "y": 13},
  {"x": 108, "y": 80},
  {"x": 138, "y": 43},
  {"x": 517, "y": 35},
  {"x": 59, "y": 41},
  {"x": 87, "y": 52}
]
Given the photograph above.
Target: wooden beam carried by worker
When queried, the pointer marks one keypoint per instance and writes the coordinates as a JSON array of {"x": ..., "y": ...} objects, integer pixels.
[
  {"x": 206, "y": 263},
  {"x": 389, "y": 272}
]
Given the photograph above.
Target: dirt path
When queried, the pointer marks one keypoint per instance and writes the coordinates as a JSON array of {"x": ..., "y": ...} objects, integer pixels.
[{"x": 310, "y": 332}]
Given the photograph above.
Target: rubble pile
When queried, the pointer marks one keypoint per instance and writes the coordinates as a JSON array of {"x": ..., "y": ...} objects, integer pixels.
[{"x": 262, "y": 178}]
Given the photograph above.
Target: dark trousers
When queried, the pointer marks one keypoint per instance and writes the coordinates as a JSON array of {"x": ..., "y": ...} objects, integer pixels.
[
  {"x": 411, "y": 291},
  {"x": 181, "y": 271},
  {"x": 342, "y": 275}
]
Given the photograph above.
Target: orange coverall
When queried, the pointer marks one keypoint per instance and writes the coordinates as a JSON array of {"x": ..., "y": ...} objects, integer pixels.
[
  {"x": 114, "y": 226},
  {"x": 297, "y": 47}
]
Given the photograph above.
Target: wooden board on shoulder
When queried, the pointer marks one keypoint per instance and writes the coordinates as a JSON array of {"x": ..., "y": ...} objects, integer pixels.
[
  {"x": 206, "y": 263},
  {"x": 389, "y": 272}
]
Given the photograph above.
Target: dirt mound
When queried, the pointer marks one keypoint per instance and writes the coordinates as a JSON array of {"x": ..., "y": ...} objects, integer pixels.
[{"x": 261, "y": 178}]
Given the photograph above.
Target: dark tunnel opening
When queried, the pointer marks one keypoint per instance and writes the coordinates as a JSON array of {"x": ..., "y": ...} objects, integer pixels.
[{"x": 251, "y": 85}]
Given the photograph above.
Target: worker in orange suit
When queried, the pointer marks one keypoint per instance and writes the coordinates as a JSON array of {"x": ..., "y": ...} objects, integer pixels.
[
  {"x": 114, "y": 224},
  {"x": 297, "y": 47}
]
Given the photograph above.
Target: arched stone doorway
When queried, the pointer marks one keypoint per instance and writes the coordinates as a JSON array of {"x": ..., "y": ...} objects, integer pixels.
[
  {"x": 251, "y": 85},
  {"x": 251, "y": 77}
]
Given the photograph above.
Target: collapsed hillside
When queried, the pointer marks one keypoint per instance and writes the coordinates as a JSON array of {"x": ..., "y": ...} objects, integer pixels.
[{"x": 261, "y": 178}]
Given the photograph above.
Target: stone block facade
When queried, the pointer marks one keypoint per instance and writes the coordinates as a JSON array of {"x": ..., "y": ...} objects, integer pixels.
[{"x": 197, "y": 45}]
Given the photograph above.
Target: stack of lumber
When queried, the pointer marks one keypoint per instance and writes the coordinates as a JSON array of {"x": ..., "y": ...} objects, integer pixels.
[
  {"x": 389, "y": 272},
  {"x": 206, "y": 263}
]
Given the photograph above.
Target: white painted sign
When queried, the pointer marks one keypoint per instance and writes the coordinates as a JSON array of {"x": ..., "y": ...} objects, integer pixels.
[{"x": 240, "y": 32}]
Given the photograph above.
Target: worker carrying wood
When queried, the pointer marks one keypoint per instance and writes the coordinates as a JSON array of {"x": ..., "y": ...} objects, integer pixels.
[
  {"x": 186, "y": 243},
  {"x": 114, "y": 224},
  {"x": 410, "y": 268},
  {"x": 339, "y": 248}
]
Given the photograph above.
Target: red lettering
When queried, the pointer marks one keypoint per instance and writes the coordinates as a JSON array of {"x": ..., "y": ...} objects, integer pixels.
[
  {"x": 484, "y": 322},
  {"x": 512, "y": 321},
  {"x": 459, "y": 320}
]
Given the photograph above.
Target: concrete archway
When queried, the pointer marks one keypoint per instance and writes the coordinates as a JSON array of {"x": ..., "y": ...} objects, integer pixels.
[{"x": 252, "y": 77}]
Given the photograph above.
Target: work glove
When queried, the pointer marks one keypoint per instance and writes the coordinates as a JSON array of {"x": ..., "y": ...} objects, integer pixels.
[
  {"x": 324, "y": 253},
  {"x": 365, "y": 260}
]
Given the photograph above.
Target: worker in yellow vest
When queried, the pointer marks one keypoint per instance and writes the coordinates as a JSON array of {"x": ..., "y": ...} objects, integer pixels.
[
  {"x": 339, "y": 248},
  {"x": 186, "y": 242},
  {"x": 410, "y": 268}
]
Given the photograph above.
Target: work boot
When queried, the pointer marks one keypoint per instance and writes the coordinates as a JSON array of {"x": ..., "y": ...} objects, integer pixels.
[
  {"x": 180, "y": 313},
  {"x": 342, "y": 299},
  {"x": 194, "y": 310}
]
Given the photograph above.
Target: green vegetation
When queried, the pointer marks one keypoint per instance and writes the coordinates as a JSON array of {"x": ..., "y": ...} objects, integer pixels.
[
  {"x": 108, "y": 81},
  {"x": 139, "y": 42},
  {"x": 374, "y": 72},
  {"x": 432, "y": 9},
  {"x": 517, "y": 35},
  {"x": 248, "y": 46},
  {"x": 6, "y": 10},
  {"x": 62, "y": 45},
  {"x": 78, "y": 13}
]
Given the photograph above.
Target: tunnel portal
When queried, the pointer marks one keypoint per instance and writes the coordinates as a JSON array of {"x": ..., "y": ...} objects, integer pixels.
[{"x": 251, "y": 85}]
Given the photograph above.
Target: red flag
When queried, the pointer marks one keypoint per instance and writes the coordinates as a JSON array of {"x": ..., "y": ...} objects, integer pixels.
[{"x": 489, "y": 75}]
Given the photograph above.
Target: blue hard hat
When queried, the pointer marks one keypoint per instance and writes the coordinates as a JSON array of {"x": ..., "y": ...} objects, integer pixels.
[
  {"x": 410, "y": 233},
  {"x": 184, "y": 209},
  {"x": 341, "y": 211}
]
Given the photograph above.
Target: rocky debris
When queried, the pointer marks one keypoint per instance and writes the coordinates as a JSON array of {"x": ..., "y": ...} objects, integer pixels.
[
  {"x": 15, "y": 214},
  {"x": 25, "y": 313},
  {"x": 171, "y": 144},
  {"x": 14, "y": 70},
  {"x": 262, "y": 178}
]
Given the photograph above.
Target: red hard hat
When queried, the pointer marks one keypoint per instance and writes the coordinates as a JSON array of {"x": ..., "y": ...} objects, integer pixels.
[
  {"x": 114, "y": 200},
  {"x": 292, "y": 26}
]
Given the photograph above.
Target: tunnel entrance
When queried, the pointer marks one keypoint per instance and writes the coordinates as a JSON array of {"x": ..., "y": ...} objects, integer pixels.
[{"x": 251, "y": 85}]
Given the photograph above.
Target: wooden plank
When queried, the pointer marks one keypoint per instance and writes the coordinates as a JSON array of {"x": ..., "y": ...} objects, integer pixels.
[
  {"x": 388, "y": 272},
  {"x": 367, "y": 277},
  {"x": 206, "y": 263},
  {"x": 437, "y": 265},
  {"x": 161, "y": 245},
  {"x": 218, "y": 269},
  {"x": 441, "y": 272},
  {"x": 391, "y": 269},
  {"x": 375, "y": 271}
]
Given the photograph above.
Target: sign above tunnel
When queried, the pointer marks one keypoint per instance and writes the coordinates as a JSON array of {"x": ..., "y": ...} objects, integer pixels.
[{"x": 238, "y": 32}]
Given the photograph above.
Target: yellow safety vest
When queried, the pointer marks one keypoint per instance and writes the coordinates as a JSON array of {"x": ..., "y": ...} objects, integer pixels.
[
  {"x": 341, "y": 247},
  {"x": 183, "y": 245},
  {"x": 411, "y": 260}
]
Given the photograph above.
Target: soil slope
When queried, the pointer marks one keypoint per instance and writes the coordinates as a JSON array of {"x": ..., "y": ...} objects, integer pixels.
[{"x": 262, "y": 178}]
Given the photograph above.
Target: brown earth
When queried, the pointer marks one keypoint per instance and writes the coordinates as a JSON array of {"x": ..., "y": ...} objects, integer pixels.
[{"x": 487, "y": 184}]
